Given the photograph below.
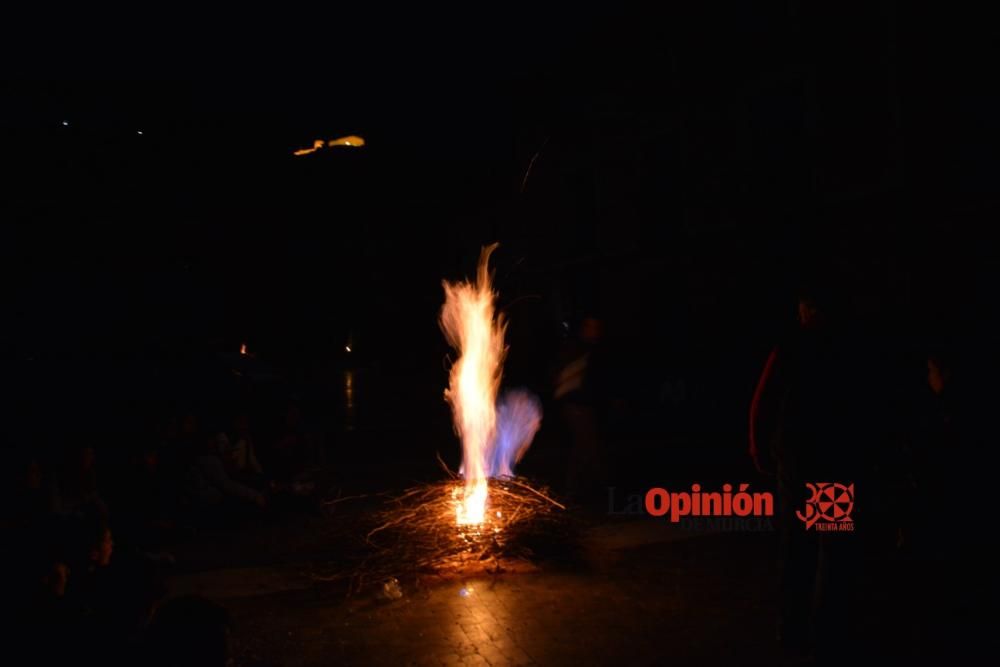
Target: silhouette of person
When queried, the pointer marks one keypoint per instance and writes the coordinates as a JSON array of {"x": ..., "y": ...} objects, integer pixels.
[
  {"x": 806, "y": 426},
  {"x": 578, "y": 391}
]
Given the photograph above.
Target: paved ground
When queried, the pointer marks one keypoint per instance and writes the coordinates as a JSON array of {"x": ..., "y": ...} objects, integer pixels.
[
  {"x": 642, "y": 592},
  {"x": 645, "y": 594}
]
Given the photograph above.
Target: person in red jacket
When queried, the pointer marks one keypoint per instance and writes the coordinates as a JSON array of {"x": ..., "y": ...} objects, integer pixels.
[
  {"x": 772, "y": 388},
  {"x": 804, "y": 425}
]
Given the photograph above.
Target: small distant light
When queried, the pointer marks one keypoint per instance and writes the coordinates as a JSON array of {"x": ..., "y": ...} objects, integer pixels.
[
  {"x": 65, "y": 123},
  {"x": 243, "y": 349},
  {"x": 465, "y": 592},
  {"x": 499, "y": 514},
  {"x": 138, "y": 131},
  {"x": 347, "y": 347}
]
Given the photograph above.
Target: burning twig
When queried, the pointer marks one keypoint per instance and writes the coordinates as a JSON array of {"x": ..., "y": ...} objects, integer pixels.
[
  {"x": 415, "y": 533},
  {"x": 536, "y": 492},
  {"x": 444, "y": 466},
  {"x": 334, "y": 501}
]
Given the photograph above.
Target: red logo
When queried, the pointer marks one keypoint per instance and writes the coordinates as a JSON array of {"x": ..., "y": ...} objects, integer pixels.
[
  {"x": 660, "y": 502},
  {"x": 830, "y": 506}
]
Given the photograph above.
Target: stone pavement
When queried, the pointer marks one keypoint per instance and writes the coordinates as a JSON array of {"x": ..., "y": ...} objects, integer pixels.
[{"x": 647, "y": 595}]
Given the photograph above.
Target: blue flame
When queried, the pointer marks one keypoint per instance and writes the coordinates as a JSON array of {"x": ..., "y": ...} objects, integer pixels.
[{"x": 519, "y": 416}]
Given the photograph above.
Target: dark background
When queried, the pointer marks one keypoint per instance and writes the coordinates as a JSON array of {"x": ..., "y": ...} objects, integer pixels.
[{"x": 689, "y": 170}]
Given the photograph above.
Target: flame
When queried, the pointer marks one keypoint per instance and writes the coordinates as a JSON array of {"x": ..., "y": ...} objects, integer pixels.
[
  {"x": 471, "y": 326},
  {"x": 317, "y": 144},
  {"x": 519, "y": 416},
  {"x": 352, "y": 141},
  {"x": 494, "y": 435},
  {"x": 243, "y": 349}
]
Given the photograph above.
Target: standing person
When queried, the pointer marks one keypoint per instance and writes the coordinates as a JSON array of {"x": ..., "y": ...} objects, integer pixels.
[
  {"x": 241, "y": 455},
  {"x": 807, "y": 426},
  {"x": 578, "y": 391},
  {"x": 944, "y": 536}
]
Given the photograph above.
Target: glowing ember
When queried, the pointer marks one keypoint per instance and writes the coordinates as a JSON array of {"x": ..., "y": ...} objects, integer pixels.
[{"x": 492, "y": 440}]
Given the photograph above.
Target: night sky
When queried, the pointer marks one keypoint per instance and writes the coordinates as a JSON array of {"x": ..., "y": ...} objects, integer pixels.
[{"x": 688, "y": 169}]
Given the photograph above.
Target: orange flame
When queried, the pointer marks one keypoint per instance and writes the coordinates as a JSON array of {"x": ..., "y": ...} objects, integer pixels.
[
  {"x": 353, "y": 141},
  {"x": 317, "y": 144},
  {"x": 471, "y": 326}
]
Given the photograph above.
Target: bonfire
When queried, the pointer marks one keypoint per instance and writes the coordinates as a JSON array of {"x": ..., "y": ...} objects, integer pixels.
[{"x": 483, "y": 513}]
